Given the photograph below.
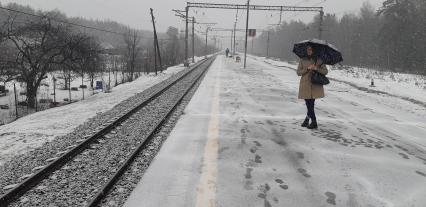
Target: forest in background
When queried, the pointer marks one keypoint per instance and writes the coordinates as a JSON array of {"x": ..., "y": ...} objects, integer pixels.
[{"x": 391, "y": 38}]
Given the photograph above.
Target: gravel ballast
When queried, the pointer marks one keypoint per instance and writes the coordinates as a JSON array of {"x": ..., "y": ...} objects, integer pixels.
[
  {"x": 129, "y": 180},
  {"x": 83, "y": 177}
]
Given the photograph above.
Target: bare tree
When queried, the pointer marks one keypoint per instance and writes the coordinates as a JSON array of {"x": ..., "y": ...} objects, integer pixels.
[
  {"x": 172, "y": 48},
  {"x": 43, "y": 46},
  {"x": 39, "y": 44},
  {"x": 7, "y": 65},
  {"x": 83, "y": 55},
  {"x": 132, "y": 41}
]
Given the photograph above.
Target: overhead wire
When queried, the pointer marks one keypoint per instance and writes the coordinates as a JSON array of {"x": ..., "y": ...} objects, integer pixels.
[
  {"x": 71, "y": 23},
  {"x": 299, "y": 13}
]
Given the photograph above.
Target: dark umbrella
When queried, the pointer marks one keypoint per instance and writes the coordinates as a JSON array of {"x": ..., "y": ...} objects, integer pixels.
[{"x": 329, "y": 54}]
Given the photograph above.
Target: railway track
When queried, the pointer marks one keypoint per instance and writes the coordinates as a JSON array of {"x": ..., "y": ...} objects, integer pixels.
[{"x": 85, "y": 173}]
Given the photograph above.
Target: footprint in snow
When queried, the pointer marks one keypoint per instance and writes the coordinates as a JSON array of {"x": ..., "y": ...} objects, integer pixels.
[
  {"x": 258, "y": 159},
  {"x": 257, "y": 143},
  {"x": 300, "y": 155},
  {"x": 282, "y": 185},
  {"x": 264, "y": 194},
  {"x": 248, "y": 173},
  {"x": 404, "y": 155},
  {"x": 421, "y": 173},
  {"x": 331, "y": 198},
  {"x": 304, "y": 172},
  {"x": 253, "y": 149}
]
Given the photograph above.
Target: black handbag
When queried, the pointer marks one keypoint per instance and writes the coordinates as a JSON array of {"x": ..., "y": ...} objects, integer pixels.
[{"x": 319, "y": 79}]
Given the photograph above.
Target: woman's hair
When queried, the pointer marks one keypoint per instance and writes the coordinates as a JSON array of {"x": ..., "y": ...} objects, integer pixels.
[
  {"x": 314, "y": 55},
  {"x": 313, "y": 49}
]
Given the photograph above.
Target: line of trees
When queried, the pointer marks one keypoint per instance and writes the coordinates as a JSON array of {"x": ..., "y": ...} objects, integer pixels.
[
  {"x": 392, "y": 37},
  {"x": 32, "y": 47},
  {"x": 38, "y": 46}
]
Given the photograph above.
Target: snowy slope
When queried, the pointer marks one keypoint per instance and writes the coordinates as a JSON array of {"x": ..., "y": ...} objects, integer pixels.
[
  {"x": 33, "y": 130},
  {"x": 399, "y": 84}
]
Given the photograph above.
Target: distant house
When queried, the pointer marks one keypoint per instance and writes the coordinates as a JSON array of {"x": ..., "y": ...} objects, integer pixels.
[{"x": 107, "y": 47}]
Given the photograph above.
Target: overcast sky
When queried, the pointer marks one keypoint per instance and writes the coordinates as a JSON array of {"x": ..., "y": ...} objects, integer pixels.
[{"x": 135, "y": 13}]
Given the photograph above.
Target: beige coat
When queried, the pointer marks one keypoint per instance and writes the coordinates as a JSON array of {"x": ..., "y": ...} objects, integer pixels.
[{"x": 307, "y": 90}]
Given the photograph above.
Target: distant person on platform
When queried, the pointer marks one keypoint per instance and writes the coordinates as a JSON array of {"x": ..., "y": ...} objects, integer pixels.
[
  {"x": 307, "y": 90},
  {"x": 227, "y": 52}
]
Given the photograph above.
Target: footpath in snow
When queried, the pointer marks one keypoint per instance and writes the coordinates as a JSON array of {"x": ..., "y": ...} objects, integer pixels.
[
  {"x": 239, "y": 143},
  {"x": 32, "y": 131}
]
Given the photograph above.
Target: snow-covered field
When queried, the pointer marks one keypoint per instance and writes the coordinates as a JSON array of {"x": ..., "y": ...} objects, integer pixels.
[
  {"x": 34, "y": 130},
  {"x": 399, "y": 84},
  {"x": 46, "y": 91}
]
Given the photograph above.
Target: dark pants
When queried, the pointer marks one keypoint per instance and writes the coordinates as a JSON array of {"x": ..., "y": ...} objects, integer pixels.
[{"x": 310, "y": 105}]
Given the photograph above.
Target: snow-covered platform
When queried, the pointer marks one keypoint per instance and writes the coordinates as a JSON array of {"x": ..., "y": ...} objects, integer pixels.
[{"x": 240, "y": 143}]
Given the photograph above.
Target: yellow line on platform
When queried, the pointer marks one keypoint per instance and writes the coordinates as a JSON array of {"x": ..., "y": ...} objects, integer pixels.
[{"x": 206, "y": 190}]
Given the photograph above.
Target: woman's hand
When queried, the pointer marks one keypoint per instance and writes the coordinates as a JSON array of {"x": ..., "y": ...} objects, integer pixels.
[{"x": 312, "y": 67}]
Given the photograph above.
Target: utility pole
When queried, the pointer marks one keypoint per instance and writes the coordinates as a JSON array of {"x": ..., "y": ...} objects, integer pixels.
[
  {"x": 254, "y": 7},
  {"x": 235, "y": 27},
  {"x": 267, "y": 46},
  {"x": 185, "y": 16},
  {"x": 16, "y": 100},
  {"x": 245, "y": 44},
  {"x": 155, "y": 58},
  {"x": 82, "y": 83},
  {"x": 205, "y": 49},
  {"x": 158, "y": 49},
  {"x": 232, "y": 37},
  {"x": 193, "y": 39},
  {"x": 69, "y": 85},
  {"x": 186, "y": 64},
  {"x": 156, "y": 45},
  {"x": 109, "y": 77},
  {"x": 235, "y": 44},
  {"x": 54, "y": 90}
]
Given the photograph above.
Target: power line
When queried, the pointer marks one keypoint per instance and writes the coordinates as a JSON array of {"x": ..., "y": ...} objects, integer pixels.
[
  {"x": 317, "y": 4},
  {"x": 71, "y": 23},
  {"x": 251, "y": 7}
]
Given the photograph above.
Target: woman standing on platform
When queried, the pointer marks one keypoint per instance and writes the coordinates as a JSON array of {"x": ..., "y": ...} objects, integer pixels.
[{"x": 307, "y": 90}]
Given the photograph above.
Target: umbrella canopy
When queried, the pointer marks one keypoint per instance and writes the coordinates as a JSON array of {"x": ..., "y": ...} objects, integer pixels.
[{"x": 329, "y": 54}]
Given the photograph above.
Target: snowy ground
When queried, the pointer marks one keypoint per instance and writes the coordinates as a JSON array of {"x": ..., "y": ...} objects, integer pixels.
[
  {"x": 32, "y": 131},
  {"x": 399, "y": 84},
  {"x": 46, "y": 92},
  {"x": 239, "y": 143}
]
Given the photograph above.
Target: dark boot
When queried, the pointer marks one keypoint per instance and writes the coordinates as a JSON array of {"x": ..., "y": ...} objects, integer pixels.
[
  {"x": 313, "y": 125},
  {"x": 306, "y": 122}
]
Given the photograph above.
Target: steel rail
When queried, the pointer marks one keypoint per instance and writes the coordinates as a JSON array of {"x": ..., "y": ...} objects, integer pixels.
[{"x": 110, "y": 184}]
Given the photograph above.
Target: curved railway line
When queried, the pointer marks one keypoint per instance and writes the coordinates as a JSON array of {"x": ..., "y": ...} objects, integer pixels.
[{"x": 85, "y": 173}]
